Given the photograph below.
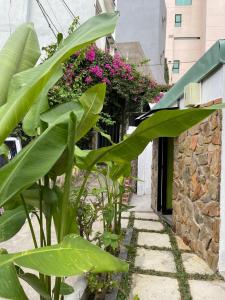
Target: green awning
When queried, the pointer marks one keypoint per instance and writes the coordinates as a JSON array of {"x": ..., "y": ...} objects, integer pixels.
[{"x": 212, "y": 59}]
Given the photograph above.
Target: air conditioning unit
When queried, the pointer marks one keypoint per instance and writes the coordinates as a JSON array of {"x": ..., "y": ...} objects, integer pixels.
[{"x": 192, "y": 94}]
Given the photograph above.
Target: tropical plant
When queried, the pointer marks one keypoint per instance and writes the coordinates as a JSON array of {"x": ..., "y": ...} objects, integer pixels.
[
  {"x": 127, "y": 90},
  {"x": 28, "y": 183},
  {"x": 36, "y": 189}
]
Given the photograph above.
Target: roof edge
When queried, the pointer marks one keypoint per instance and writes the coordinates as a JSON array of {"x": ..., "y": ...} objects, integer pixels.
[{"x": 214, "y": 57}]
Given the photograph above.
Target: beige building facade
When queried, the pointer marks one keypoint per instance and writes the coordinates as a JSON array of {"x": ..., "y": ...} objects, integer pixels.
[{"x": 193, "y": 26}]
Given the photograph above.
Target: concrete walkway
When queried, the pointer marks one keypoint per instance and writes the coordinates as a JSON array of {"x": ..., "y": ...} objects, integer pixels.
[{"x": 163, "y": 266}]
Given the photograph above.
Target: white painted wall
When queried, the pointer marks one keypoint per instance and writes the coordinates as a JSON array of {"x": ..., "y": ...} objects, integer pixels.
[
  {"x": 145, "y": 172},
  {"x": 213, "y": 86}
]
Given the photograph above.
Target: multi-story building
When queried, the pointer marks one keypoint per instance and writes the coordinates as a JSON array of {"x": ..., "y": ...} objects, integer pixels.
[
  {"x": 49, "y": 16},
  {"x": 193, "y": 26},
  {"x": 140, "y": 34}
]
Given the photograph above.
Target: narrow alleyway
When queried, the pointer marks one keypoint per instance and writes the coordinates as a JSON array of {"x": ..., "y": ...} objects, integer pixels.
[{"x": 162, "y": 266}]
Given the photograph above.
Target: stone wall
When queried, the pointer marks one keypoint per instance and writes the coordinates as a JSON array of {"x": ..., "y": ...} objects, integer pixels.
[{"x": 196, "y": 188}]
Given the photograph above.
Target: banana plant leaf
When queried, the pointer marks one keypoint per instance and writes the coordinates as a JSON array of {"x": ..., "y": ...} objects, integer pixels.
[
  {"x": 4, "y": 150},
  {"x": 41, "y": 154},
  {"x": 10, "y": 287},
  {"x": 33, "y": 81},
  {"x": 92, "y": 103},
  {"x": 166, "y": 123},
  {"x": 118, "y": 170},
  {"x": 35, "y": 283},
  {"x": 11, "y": 222},
  {"x": 87, "y": 113},
  {"x": 32, "y": 119},
  {"x": 62, "y": 111},
  {"x": 87, "y": 110},
  {"x": 20, "y": 53},
  {"x": 74, "y": 256}
]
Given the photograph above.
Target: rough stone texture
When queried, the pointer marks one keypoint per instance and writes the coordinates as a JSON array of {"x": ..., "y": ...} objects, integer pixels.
[
  {"x": 196, "y": 207},
  {"x": 155, "y": 260},
  {"x": 211, "y": 290},
  {"x": 147, "y": 216},
  {"x": 153, "y": 239},
  {"x": 154, "y": 287},
  {"x": 181, "y": 245},
  {"x": 148, "y": 225},
  {"x": 193, "y": 264}
]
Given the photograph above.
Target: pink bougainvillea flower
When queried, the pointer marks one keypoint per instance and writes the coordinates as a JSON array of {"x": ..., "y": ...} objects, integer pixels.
[
  {"x": 88, "y": 79},
  {"x": 90, "y": 55},
  {"x": 116, "y": 65},
  {"x": 106, "y": 80},
  {"x": 158, "y": 97},
  {"x": 97, "y": 71},
  {"x": 128, "y": 68},
  {"x": 117, "y": 55},
  {"x": 112, "y": 72},
  {"x": 107, "y": 66}
]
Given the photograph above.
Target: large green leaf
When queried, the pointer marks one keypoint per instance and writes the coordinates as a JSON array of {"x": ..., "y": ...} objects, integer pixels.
[
  {"x": 87, "y": 113},
  {"x": 73, "y": 256},
  {"x": 4, "y": 150},
  {"x": 10, "y": 287},
  {"x": 166, "y": 123},
  {"x": 20, "y": 52},
  {"x": 92, "y": 102},
  {"x": 32, "y": 119},
  {"x": 11, "y": 222},
  {"x": 59, "y": 112},
  {"x": 87, "y": 110},
  {"x": 33, "y": 162},
  {"x": 33, "y": 81},
  {"x": 35, "y": 283}
]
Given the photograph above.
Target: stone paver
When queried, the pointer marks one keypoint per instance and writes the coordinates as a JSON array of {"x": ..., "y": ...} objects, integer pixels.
[
  {"x": 194, "y": 264},
  {"x": 124, "y": 223},
  {"x": 155, "y": 260},
  {"x": 181, "y": 245},
  {"x": 147, "y": 216},
  {"x": 125, "y": 214},
  {"x": 98, "y": 226},
  {"x": 148, "y": 225},
  {"x": 153, "y": 239},
  {"x": 140, "y": 203},
  {"x": 207, "y": 290},
  {"x": 149, "y": 287}
]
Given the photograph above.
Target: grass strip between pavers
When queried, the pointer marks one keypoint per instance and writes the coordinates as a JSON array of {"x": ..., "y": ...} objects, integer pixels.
[
  {"x": 126, "y": 282},
  {"x": 181, "y": 275},
  {"x": 147, "y": 220}
]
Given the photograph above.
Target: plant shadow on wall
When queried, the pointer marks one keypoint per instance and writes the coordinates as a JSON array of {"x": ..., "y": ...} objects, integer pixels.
[{"x": 28, "y": 183}]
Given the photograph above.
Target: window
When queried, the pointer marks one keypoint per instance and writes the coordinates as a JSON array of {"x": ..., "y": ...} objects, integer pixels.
[
  {"x": 183, "y": 2},
  {"x": 178, "y": 20},
  {"x": 176, "y": 66}
]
